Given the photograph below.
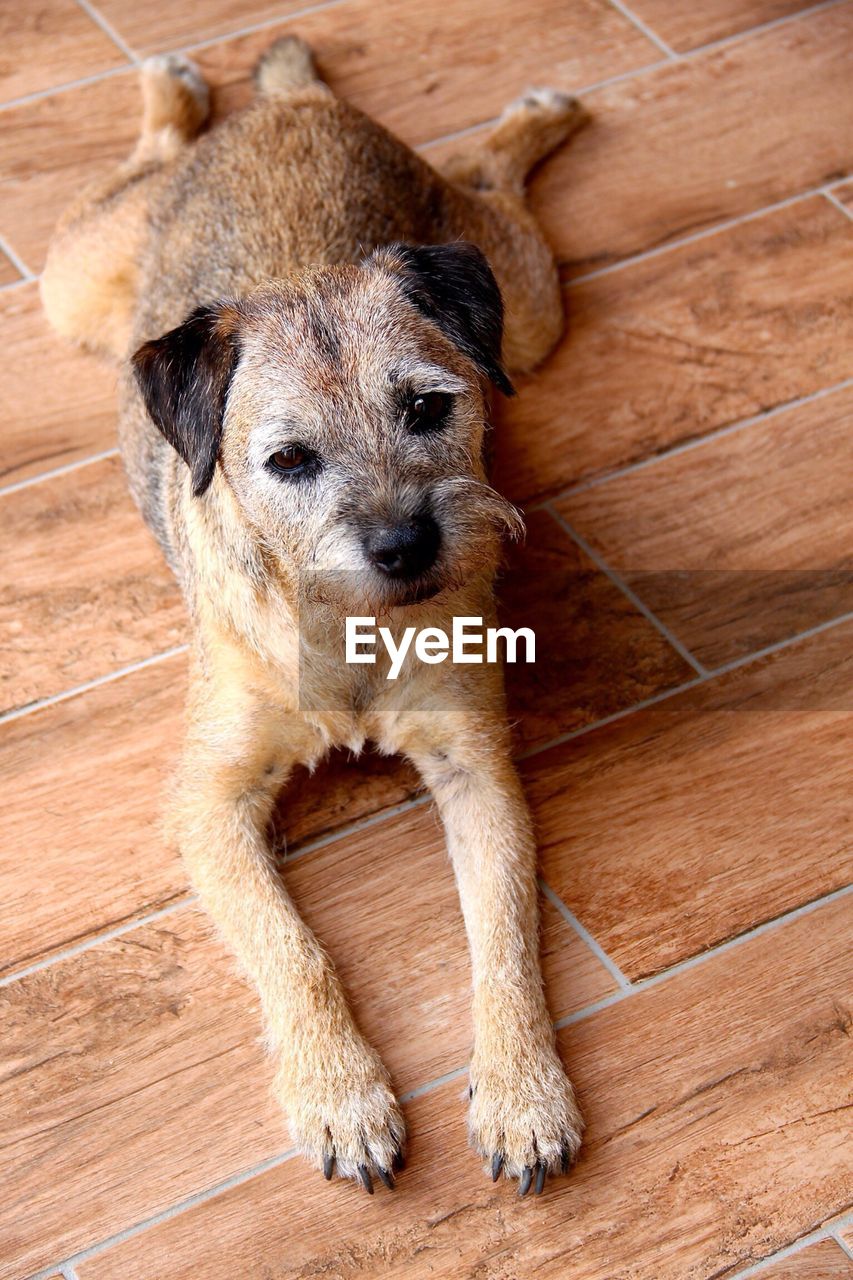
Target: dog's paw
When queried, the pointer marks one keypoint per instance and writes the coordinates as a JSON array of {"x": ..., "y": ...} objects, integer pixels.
[
  {"x": 559, "y": 112},
  {"x": 175, "y": 93},
  {"x": 347, "y": 1123},
  {"x": 286, "y": 65},
  {"x": 523, "y": 1118}
]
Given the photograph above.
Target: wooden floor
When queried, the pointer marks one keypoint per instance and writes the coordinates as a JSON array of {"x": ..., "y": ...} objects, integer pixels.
[{"x": 685, "y": 460}]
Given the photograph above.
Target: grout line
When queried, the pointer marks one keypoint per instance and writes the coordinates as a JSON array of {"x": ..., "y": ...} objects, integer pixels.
[
  {"x": 95, "y": 940},
  {"x": 644, "y": 29},
  {"x": 813, "y": 1237},
  {"x": 17, "y": 262},
  {"x": 428, "y": 1087},
  {"x": 40, "y": 703},
  {"x": 693, "y": 962},
  {"x": 818, "y": 629},
  {"x": 108, "y": 30},
  {"x": 456, "y": 1073},
  {"x": 17, "y": 485},
  {"x": 629, "y": 593},
  {"x": 165, "y": 1215},
  {"x": 686, "y": 446},
  {"x": 704, "y": 233},
  {"x": 583, "y": 933},
  {"x": 189, "y": 898},
  {"x": 283, "y": 861},
  {"x": 738, "y": 37},
  {"x": 833, "y": 199},
  {"x": 16, "y": 284},
  {"x": 835, "y": 1234},
  {"x": 68, "y": 1272},
  {"x": 38, "y": 94},
  {"x": 666, "y": 694},
  {"x": 279, "y": 21},
  {"x": 614, "y": 716}
]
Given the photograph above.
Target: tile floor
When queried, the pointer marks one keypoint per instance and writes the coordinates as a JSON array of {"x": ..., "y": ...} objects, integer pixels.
[{"x": 685, "y": 460}]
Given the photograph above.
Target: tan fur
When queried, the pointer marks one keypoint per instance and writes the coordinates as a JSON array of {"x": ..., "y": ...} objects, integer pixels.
[{"x": 261, "y": 211}]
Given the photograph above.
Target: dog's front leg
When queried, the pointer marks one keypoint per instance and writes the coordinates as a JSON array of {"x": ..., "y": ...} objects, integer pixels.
[
  {"x": 523, "y": 1116},
  {"x": 330, "y": 1081}
]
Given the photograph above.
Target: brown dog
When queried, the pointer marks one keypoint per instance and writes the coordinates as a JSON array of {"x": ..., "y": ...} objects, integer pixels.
[{"x": 306, "y": 443}]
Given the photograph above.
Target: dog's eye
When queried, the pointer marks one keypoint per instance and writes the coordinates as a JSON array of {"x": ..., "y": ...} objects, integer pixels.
[
  {"x": 292, "y": 460},
  {"x": 429, "y": 411}
]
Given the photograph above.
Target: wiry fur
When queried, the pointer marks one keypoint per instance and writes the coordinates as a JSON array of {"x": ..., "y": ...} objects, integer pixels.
[{"x": 277, "y": 225}]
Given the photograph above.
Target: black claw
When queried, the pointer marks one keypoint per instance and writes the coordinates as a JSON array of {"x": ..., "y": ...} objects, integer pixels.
[
  {"x": 399, "y": 1162},
  {"x": 540, "y": 1180},
  {"x": 364, "y": 1174},
  {"x": 385, "y": 1176},
  {"x": 328, "y": 1167},
  {"x": 497, "y": 1165},
  {"x": 526, "y": 1179},
  {"x": 566, "y": 1158}
]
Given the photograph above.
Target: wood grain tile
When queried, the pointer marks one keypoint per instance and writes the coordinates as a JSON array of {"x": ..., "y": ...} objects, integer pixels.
[
  {"x": 823, "y": 1261},
  {"x": 667, "y": 349},
  {"x": 89, "y": 790},
  {"x": 718, "y": 135},
  {"x": 691, "y": 822},
  {"x": 87, "y": 590},
  {"x": 48, "y": 43},
  {"x": 84, "y": 847},
  {"x": 51, "y": 148},
  {"x": 430, "y": 69},
  {"x": 47, "y": 421},
  {"x": 149, "y": 28},
  {"x": 394, "y": 882},
  {"x": 684, "y": 25},
  {"x": 847, "y": 1236},
  {"x": 134, "y": 1074},
  {"x": 595, "y": 652},
  {"x": 714, "y": 1138},
  {"x": 741, "y": 543},
  {"x": 342, "y": 789}
]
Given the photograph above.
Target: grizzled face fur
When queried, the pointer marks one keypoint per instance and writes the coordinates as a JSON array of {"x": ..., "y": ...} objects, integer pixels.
[{"x": 345, "y": 409}]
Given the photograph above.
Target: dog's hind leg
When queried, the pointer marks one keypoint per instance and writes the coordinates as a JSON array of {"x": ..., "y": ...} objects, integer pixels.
[
  {"x": 89, "y": 284},
  {"x": 528, "y": 130},
  {"x": 492, "y": 211}
]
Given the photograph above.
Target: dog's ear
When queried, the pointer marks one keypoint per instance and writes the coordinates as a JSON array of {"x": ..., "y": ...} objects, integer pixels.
[
  {"x": 184, "y": 379},
  {"x": 453, "y": 285}
]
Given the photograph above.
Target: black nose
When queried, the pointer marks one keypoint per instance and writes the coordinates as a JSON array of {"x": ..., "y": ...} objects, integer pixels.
[{"x": 404, "y": 550}]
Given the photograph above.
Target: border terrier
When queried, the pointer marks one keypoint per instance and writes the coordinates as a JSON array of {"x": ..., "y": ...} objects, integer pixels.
[{"x": 306, "y": 334}]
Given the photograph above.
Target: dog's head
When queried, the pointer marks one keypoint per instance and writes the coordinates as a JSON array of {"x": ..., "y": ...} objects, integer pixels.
[{"x": 346, "y": 410}]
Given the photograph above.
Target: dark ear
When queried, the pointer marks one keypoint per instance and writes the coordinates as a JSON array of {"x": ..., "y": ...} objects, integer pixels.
[
  {"x": 184, "y": 378},
  {"x": 454, "y": 286}
]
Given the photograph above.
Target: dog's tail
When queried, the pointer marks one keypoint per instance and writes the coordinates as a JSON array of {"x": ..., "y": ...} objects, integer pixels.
[{"x": 288, "y": 64}]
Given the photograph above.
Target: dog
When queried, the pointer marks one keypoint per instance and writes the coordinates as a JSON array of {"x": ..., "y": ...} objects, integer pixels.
[{"x": 308, "y": 339}]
